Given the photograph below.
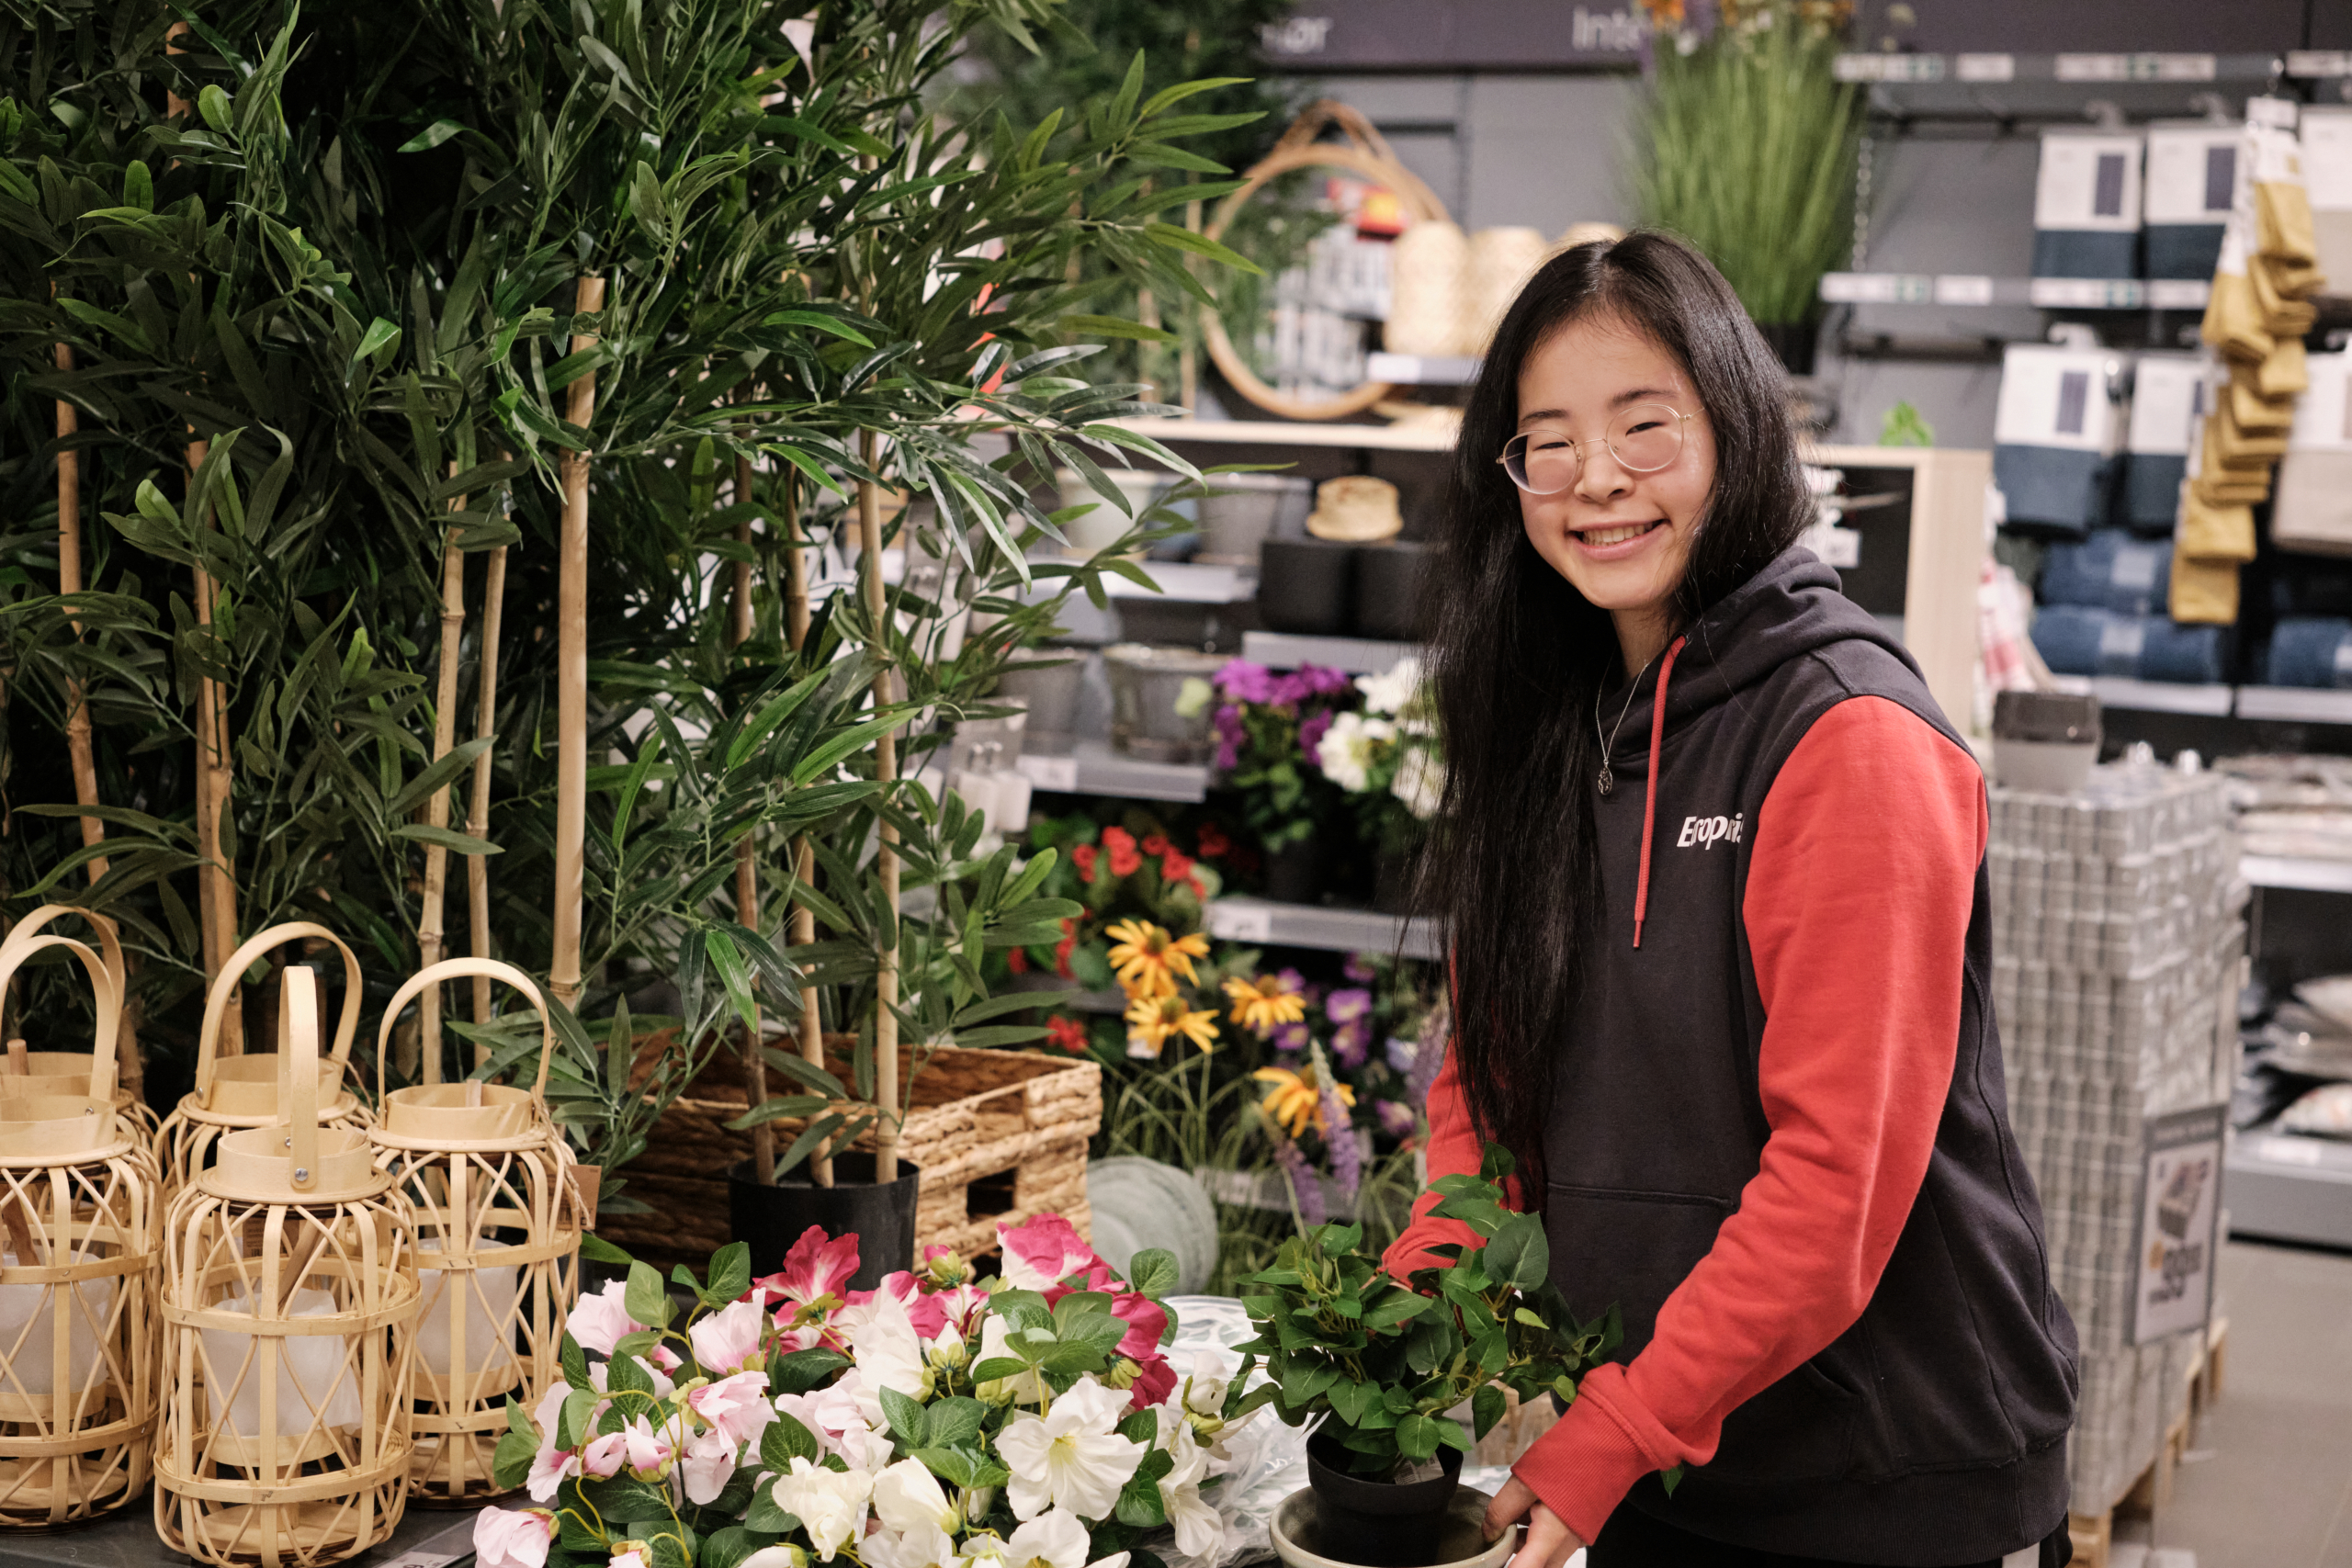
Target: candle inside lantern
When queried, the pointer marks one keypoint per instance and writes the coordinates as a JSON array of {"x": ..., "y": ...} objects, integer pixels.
[
  {"x": 309, "y": 1369},
  {"x": 29, "y": 1334},
  {"x": 490, "y": 1321}
]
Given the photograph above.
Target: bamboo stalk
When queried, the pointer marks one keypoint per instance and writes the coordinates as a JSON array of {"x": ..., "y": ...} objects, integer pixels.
[
  {"x": 804, "y": 863},
  {"x": 429, "y": 933},
  {"x": 493, "y": 602},
  {"x": 747, "y": 870},
  {"x": 886, "y": 769},
  {"x": 571, "y": 676},
  {"x": 79, "y": 744}
]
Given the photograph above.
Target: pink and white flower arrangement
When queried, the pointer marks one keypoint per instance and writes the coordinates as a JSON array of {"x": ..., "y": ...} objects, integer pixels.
[{"x": 939, "y": 1421}]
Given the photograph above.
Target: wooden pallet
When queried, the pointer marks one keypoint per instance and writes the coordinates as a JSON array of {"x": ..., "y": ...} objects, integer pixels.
[
  {"x": 999, "y": 1136},
  {"x": 2094, "y": 1534}
]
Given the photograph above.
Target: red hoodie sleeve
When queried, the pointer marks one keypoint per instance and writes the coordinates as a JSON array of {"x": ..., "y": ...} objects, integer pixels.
[
  {"x": 1857, "y": 908},
  {"x": 1454, "y": 1148}
]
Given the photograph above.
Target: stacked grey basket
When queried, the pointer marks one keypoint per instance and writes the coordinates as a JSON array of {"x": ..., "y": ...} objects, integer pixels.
[{"x": 2119, "y": 934}]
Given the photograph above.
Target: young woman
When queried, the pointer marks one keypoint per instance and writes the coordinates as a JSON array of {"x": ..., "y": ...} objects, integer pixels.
[{"x": 1712, "y": 873}]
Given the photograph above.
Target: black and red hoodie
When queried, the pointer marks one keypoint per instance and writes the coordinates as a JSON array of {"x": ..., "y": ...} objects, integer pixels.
[{"x": 1780, "y": 1138}]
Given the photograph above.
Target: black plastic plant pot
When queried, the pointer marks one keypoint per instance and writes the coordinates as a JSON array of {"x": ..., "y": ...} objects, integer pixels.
[
  {"x": 1379, "y": 1523},
  {"x": 1294, "y": 872},
  {"x": 1793, "y": 343},
  {"x": 1305, "y": 586},
  {"x": 770, "y": 1219},
  {"x": 1391, "y": 605}
]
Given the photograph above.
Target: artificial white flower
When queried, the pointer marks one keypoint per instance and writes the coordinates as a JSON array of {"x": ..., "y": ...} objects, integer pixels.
[
  {"x": 1345, "y": 752},
  {"x": 1056, "y": 1540},
  {"x": 1199, "y": 1527},
  {"x": 1419, "y": 781},
  {"x": 776, "y": 1556},
  {"x": 1204, "y": 1385},
  {"x": 906, "y": 1496},
  {"x": 888, "y": 1355},
  {"x": 830, "y": 1504},
  {"x": 1392, "y": 693},
  {"x": 1071, "y": 1458},
  {"x": 926, "y": 1546},
  {"x": 1023, "y": 1388}
]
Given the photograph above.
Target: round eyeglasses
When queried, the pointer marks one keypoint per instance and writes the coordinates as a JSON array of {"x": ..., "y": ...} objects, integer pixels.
[{"x": 1643, "y": 438}]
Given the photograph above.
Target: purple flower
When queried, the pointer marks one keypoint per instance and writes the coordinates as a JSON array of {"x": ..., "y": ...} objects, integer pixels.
[
  {"x": 1230, "y": 734},
  {"x": 1352, "y": 1042},
  {"x": 1290, "y": 1037},
  {"x": 1293, "y": 981},
  {"x": 1311, "y": 732},
  {"x": 1400, "y": 1054},
  {"x": 1322, "y": 682},
  {"x": 1244, "y": 681},
  {"x": 1429, "y": 1054},
  {"x": 1396, "y": 1118},
  {"x": 1359, "y": 968},
  {"x": 1306, "y": 1189},
  {"x": 1347, "y": 1006},
  {"x": 1340, "y": 1139}
]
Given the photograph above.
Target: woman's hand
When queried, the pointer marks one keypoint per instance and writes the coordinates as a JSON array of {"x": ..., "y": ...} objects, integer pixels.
[{"x": 1550, "y": 1542}]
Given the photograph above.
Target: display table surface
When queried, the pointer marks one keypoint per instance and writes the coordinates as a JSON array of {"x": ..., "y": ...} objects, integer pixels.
[{"x": 428, "y": 1538}]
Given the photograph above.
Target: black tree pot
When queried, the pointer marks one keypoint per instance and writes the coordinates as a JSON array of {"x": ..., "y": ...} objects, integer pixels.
[
  {"x": 1294, "y": 872},
  {"x": 1379, "y": 1523},
  {"x": 1793, "y": 343},
  {"x": 1391, "y": 605},
  {"x": 1305, "y": 586},
  {"x": 770, "y": 1219}
]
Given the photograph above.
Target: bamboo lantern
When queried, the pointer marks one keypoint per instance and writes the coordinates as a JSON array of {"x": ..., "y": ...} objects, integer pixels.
[
  {"x": 62, "y": 1071},
  {"x": 290, "y": 1309},
  {"x": 77, "y": 1279},
  {"x": 238, "y": 1092},
  {"x": 498, "y": 1223}
]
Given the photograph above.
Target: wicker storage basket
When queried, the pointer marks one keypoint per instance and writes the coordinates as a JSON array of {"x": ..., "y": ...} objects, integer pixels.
[
  {"x": 998, "y": 1136},
  {"x": 64, "y": 1072}
]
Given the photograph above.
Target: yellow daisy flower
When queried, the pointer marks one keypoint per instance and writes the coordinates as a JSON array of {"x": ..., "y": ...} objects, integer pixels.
[
  {"x": 1158, "y": 1018},
  {"x": 1147, "y": 959},
  {"x": 1261, "y": 1004},
  {"x": 1295, "y": 1101}
]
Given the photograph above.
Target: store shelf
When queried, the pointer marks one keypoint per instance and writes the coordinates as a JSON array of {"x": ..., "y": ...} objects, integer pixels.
[
  {"x": 1413, "y": 437},
  {"x": 2290, "y": 1188},
  {"x": 1093, "y": 768},
  {"x": 1307, "y": 925},
  {"x": 2310, "y": 875},
  {"x": 2304, "y": 705},
  {"x": 2085, "y": 69},
  {"x": 2153, "y": 696},
  {"x": 1357, "y": 655},
  {"x": 1185, "y": 582},
  {"x": 2041, "y": 293},
  {"x": 1422, "y": 369}
]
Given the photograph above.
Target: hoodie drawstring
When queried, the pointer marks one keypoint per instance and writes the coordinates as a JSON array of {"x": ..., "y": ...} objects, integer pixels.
[{"x": 1649, "y": 790}]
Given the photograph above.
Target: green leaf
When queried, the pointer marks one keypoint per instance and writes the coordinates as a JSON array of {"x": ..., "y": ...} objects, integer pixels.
[
  {"x": 646, "y": 1298},
  {"x": 730, "y": 1274},
  {"x": 730, "y": 1545},
  {"x": 596, "y": 1249},
  {"x": 432, "y": 136},
  {"x": 785, "y": 1440},
  {"x": 804, "y": 1370},
  {"x": 1487, "y": 1407},
  {"x": 906, "y": 1419},
  {"x": 1174, "y": 238},
  {"x": 1152, "y": 1271},
  {"x": 446, "y": 838},
  {"x": 1114, "y": 326},
  {"x": 214, "y": 106},
  {"x": 381, "y": 334},
  {"x": 510, "y": 1462}
]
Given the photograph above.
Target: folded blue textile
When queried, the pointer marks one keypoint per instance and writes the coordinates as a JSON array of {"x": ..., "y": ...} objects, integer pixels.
[
  {"x": 2183, "y": 250},
  {"x": 2108, "y": 570},
  {"x": 2085, "y": 252},
  {"x": 2311, "y": 650},
  {"x": 2074, "y": 640},
  {"x": 2053, "y": 487},
  {"x": 2151, "y": 499}
]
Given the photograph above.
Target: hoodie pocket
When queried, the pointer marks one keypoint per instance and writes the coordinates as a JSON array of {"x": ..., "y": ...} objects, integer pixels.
[
  {"x": 1801, "y": 1429},
  {"x": 1626, "y": 1249}
]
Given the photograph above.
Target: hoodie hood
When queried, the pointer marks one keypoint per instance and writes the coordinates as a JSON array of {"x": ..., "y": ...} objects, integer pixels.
[{"x": 1792, "y": 607}]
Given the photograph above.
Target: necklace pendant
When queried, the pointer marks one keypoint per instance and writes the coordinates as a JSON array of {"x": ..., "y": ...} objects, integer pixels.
[{"x": 1608, "y": 779}]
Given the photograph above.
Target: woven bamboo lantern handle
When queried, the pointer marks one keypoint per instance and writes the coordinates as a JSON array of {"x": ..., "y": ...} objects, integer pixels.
[
  {"x": 224, "y": 987},
  {"x": 298, "y": 1071},
  {"x": 109, "y": 942},
  {"x": 459, "y": 969},
  {"x": 102, "y": 985}
]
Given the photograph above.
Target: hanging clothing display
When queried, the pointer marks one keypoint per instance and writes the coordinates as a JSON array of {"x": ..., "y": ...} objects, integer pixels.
[
  {"x": 2086, "y": 204},
  {"x": 2057, "y": 432},
  {"x": 2191, "y": 186}
]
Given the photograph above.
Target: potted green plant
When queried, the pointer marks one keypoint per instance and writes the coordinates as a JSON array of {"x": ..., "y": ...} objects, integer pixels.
[
  {"x": 1380, "y": 1361},
  {"x": 1268, "y": 727},
  {"x": 1385, "y": 757}
]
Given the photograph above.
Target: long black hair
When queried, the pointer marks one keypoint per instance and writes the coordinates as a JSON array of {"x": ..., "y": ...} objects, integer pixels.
[{"x": 1520, "y": 657}]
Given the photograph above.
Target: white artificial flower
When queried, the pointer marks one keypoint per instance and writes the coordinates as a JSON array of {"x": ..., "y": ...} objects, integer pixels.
[
  {"x": 1345, "y": 752},
  {"x": 1199, "y": 1527},
  {"x": 1419, "y": 781},
  {"x": 926, "y": 1546},
  {"x": 1204, "y": 1385},
  {"x": 888, "y": 1354},
  {"x": 1071, "y": 1458},
  {"x": 1024, "y": 1387},
  {"x": 1056, "y": 1540},
  {"x": 1391, "y": 693},
  {"x": 776, "y": 1556},
  {"x": 830, "y": 1504},
  {"x": 906, "y": 1496}
]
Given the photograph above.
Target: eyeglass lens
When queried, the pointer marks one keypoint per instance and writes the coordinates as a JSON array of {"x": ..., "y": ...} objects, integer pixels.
[{"x": 1643, "y": 438}]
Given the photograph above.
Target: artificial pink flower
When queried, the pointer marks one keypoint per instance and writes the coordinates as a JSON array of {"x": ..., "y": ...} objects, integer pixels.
[
  {"x": 1155, "y": 1380},
  {"x": 1146, "y": 1321},
  {"x": 603, "y": 1457},
  {"x": 550, "y": 1464},
  {"x": 650, "y": 1450},
  {"x": 815, "y": 1267},
  {"x": 922, "y": 1310},
  {"x": 600, "y": 1322},
  {"x": 1043, "y": 1252},
  {"x": 737, "y": 1406},
  {"x": 512, "y": 1537},
  {"x": 728, "y": 1339},
  {"x": 708, "y": 1465},
  {"x": 632, "y": 1558}
]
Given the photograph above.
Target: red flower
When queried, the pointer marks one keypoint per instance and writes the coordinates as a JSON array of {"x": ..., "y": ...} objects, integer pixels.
[
  {"x": 1067, "y": 1033},
  {"x": 1084, "y": 857},
  {"x": 1155, "y": 846},
  {"x": 1213, "y": 842},
  {"x": 1125, "y": 862},
  {"x": 1175, "y": 867},
  {"x": 1063, "y": 948},
  {"x": 1017, "y": 960}
]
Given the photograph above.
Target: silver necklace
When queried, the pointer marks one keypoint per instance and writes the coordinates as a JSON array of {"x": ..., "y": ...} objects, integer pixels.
[{"x": 1608, "y": 781}]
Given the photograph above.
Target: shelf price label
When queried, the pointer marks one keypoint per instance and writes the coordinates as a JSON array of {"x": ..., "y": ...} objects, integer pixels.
[
  {"x": 1241, "y": 920},
  {"x": 1050, "y": 772},
  {"x": 1958, "y": 290},
  {"x": 1877, "y": 289},
  {"x": 1889, "y": 67},
  {"x": 1986, "y": 67},
  {"x": 2309, "y": 62}
]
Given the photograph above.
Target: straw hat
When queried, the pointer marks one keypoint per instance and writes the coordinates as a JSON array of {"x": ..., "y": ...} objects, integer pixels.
[{"x": 1356, "y": 509}]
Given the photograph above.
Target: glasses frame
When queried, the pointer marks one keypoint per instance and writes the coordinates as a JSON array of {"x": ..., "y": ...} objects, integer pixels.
[{"x": 1680, "y": 419}]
